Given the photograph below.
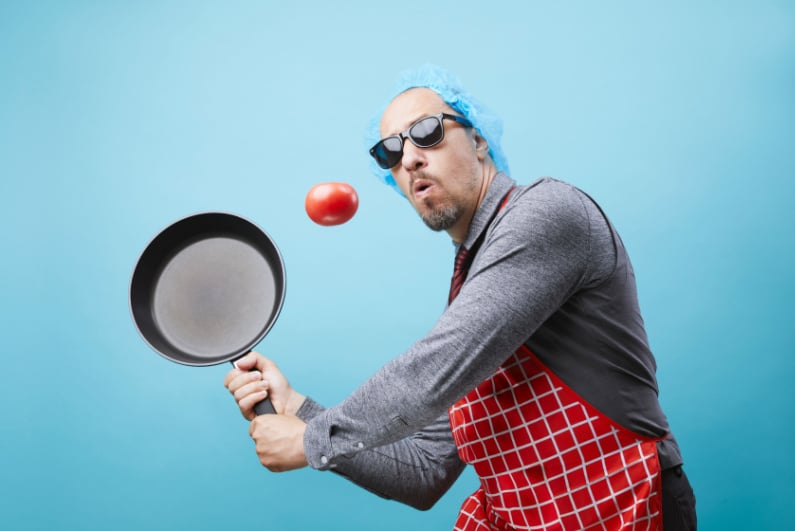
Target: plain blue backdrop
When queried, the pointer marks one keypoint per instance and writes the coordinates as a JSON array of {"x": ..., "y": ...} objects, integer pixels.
[{"x": 116, "y": 118}]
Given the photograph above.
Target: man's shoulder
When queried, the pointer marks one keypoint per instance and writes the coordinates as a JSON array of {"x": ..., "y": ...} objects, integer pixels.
[
  {"x": 550, "y": 186},
  {"x": 551, "y": 195}
]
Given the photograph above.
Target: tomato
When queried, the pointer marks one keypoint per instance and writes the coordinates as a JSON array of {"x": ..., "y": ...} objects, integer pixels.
[{"x": 331, "y": 203}]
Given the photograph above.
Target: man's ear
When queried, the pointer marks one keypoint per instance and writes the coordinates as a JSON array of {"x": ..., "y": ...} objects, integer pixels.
[{"x": 481, "y": 146}]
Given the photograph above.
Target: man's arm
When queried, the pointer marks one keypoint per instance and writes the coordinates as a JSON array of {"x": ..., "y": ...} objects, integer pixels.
[
  {"x": 534, "y": 258},
  {"x": 416, "y": 471}
]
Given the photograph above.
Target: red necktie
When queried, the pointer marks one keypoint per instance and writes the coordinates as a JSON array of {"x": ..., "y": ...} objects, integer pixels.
[
  {"x": 460, "y": 270},
  {"x": 463, "y": 258}
]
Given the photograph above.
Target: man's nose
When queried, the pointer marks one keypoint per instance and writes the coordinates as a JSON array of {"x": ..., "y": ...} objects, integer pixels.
[{"x": 413, "y": 157}]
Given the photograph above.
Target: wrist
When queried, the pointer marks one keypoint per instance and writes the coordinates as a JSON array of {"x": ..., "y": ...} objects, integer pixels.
[{"x": 294, "y": 402}]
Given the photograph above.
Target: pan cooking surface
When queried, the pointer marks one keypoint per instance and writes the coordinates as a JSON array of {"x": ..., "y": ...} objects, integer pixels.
[
  {"x": 212, "y": 294},
  {"x": 207, "y": 289}
]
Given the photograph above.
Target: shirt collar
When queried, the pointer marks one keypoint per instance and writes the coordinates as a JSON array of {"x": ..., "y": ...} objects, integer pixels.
[{"x": 497, "y": 190}]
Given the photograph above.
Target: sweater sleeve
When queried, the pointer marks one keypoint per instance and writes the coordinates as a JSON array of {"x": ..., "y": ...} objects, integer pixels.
[
  {"x": 416, "y": 470},
  {"x": 533, "y": 258}
]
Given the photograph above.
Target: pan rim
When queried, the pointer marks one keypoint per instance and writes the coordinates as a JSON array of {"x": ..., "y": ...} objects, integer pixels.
[{"x": 275, "y": 263}]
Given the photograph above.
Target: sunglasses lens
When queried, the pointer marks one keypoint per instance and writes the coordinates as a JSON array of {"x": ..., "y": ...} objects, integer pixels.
[
  {"x": 388, "y": 152},
  {"x": 427, "y": 132}
]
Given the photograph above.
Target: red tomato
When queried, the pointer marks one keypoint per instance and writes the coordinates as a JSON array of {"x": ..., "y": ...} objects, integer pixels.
[{"x": 331, "y": 203}]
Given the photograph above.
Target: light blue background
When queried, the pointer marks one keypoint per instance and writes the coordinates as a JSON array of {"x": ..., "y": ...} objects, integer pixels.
[{"x": 116, "y": 118}]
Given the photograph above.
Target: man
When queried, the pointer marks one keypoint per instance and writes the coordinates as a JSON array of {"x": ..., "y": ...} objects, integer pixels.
[{"x": 538, "y": 373}]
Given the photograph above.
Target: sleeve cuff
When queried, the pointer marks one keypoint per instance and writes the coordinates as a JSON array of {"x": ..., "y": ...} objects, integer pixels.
[
  {"x": 317, "y": 443},
  {"x": 309, "y": 410}
]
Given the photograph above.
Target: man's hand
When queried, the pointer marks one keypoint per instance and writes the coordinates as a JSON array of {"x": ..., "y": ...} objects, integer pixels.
[
  {"x": 257, "y": 377},
  {"x": 280, "y": 441}
]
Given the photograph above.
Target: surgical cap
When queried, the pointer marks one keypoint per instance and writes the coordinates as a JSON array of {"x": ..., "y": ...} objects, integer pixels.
[{"x": 449, "y": 88}]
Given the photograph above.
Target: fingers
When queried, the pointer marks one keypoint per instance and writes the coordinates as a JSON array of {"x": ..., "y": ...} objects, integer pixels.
[
  {"x": 248, "y": 402},
  {"x": 253, "y": 364},
  {"x": 231, "y": 376},
  {"x": 248, "y": 389},
  {"x": 278, "y": 441},
  {"x": 254, "y": 360},
  {"x": 237, "y": 379},
  {"x": 245, "y": 365},
  {"x": 247, "y": 362},
  {"x": 255, "y": 386},
  {"x": 254, "y": 378}
]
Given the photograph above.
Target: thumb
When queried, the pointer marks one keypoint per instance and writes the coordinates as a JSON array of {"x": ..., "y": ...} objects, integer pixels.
[{"x": 247, "y": 362}]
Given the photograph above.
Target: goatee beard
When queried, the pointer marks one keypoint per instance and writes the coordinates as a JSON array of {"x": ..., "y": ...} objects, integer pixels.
[
  {"x": 442, "y": 217},
  {"x": 443, "y": 212}
]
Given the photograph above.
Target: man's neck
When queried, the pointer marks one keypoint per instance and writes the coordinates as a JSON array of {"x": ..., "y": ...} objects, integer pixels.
[{"x": 459, "y": 231}]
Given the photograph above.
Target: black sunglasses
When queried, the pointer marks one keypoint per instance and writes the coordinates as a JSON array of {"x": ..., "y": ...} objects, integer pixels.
[{"x": 424, "y": 133}]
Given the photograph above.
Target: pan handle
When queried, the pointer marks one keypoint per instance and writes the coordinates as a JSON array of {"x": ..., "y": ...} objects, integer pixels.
[{"x": 264, "y": 407}]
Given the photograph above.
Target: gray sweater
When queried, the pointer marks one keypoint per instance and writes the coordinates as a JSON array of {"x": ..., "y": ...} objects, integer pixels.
[{"x": 551, "y": 273}]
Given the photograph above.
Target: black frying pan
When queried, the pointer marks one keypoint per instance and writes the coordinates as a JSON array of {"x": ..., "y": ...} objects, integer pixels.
[{"x": 207, "y": 289}]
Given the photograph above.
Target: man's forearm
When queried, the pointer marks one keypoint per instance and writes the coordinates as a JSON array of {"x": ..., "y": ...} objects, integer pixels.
[{"x": 416, "y": 470}]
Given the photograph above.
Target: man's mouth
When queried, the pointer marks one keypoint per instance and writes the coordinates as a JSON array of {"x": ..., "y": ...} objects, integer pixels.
[{"x": 421, "y": 187}]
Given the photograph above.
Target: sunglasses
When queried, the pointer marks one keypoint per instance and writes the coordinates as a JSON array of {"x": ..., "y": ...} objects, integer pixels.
[{"x": 424, "y": 133}]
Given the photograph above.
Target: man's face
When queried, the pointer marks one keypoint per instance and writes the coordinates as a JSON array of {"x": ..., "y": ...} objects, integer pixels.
[{"x": 443, "y": 182}]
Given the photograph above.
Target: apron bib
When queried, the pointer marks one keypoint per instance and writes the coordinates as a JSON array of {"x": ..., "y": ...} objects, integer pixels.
[{"x": 548, "y": 460}]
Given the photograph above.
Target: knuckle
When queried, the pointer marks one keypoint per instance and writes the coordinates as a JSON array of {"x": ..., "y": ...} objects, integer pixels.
[{"x": 240, "y": 394}]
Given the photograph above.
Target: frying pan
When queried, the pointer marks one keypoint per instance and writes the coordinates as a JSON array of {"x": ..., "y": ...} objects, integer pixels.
[{"x": 207, "y": 289}]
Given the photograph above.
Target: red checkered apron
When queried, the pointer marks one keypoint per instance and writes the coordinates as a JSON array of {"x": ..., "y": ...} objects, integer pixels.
[{"x": 549, "y": 460}]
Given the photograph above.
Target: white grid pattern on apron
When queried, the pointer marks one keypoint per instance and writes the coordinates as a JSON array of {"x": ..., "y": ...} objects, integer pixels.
[{"x": 544, "y": 459}]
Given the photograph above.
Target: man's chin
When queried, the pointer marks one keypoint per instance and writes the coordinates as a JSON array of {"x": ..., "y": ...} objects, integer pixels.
[{"x": 440, "y": 218}]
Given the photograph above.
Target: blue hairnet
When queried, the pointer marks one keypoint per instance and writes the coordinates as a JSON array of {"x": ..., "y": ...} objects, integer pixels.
[{"x": 449, "y": 88}]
